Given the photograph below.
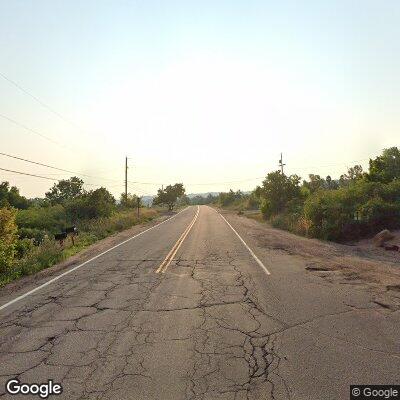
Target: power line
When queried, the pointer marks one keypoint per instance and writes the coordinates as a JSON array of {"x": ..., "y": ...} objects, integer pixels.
[
  {"x": 25, "y": 173},
  {"x": 158, "y": 183},
  {"x": 56, "y": 168},
  {"x": 42, "y": 103},
  {"x": 39, "y": 176},
  {"x": 31, "y": 130}
]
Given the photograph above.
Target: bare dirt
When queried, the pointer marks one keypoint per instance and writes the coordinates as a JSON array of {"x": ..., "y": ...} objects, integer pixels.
[{"x": 359, "y": 264}]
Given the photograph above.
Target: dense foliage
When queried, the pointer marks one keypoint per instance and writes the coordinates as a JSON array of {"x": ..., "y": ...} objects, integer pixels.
[
  {"x": 355, "y": 205},
  {"x": 10, "y": 197},
  {"x": 8, "y": 238},
  {"x": 27, "y": 227}
]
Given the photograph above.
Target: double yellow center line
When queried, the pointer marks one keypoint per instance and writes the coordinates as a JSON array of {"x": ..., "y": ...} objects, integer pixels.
[{"x": 170, "y": 256}]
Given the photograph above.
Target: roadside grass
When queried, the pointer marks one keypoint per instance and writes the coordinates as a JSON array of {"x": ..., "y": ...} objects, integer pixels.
[
  {"x": 256, "y": 215},
  {"x": 50, "y": 252}
]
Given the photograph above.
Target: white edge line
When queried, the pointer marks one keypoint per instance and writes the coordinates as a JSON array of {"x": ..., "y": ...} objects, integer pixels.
[
  {"x": 84, "y": 263},
  {"x": 259, "y": 262}
]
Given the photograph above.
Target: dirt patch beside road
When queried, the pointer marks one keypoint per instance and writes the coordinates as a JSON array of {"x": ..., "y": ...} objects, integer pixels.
[{"x": 360, "y": 264}]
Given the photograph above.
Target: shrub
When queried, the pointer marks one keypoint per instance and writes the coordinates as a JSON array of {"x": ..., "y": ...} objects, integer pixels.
[
  {"x": 332, "y": 212},
  {"x": 23, "y": 246},
  {"x": 379, "y": 214},
  {"x": 8, "y": 238},
  {"x": 98, "y": 203},
  {"x": 277, "y": 191},
  {"x": 40, "y": 257},
  {"x": 329, "y": 211},
  {"x": 51, "y": 219},
  {"x": 10, "y": 197},
  {"x": 37, "y": 235}
]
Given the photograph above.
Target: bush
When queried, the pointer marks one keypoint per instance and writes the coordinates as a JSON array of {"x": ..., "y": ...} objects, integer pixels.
[
  {"x": 40, "y": 257},
  {"x": 10, "y": 197},
  {"x": 379, "y": 214},
  {"x": 229, "y": 198},
  {"x": 8, "y": 238},
  {"x": 102, "y": 227},
  {"x": 52, "y": 219},
  {"x": 98, "y": 203},
  {"x": 23, "y": 246},
  {"x": 331, "y": 212},
  {"x": 277, "y": 191},
  {"x": 37, "y": 235}
]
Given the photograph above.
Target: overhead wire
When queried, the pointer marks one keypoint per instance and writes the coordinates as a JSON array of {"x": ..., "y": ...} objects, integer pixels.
[
  {"x": 40, "y": 176},
  {"x": 42, "y": 103},
  {"x": 31, "y": 130},
  {"x": 56, "y": 168},
  {"x": 45, "y": 105}
]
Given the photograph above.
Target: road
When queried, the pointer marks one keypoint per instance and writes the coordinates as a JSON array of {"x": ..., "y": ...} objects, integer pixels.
[{"x": 179, "y": 313}]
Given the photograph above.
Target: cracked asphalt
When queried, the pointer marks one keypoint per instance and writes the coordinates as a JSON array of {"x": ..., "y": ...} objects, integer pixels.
[{"x": 214, "y": 326}]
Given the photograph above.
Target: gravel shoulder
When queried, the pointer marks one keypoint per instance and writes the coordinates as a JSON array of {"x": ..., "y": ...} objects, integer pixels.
[{"x": 359, "y": 264}]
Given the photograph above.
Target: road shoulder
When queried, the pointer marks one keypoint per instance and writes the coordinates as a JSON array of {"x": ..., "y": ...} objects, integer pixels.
[{"x": 335, "y": 263}]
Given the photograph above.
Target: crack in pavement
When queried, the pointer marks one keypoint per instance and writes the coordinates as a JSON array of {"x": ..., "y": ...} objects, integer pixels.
[{"x": 120, "y": 331}]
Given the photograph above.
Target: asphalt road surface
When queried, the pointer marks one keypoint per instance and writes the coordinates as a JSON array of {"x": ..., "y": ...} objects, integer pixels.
[{"x": 187, "y": 311}]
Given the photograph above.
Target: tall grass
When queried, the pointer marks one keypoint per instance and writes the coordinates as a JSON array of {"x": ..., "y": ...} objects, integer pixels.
[{"x": 50, "y": 252}]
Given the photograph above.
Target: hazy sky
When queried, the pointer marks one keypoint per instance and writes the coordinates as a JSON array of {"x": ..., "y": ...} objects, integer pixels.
[{"x": 197, "y": 91}]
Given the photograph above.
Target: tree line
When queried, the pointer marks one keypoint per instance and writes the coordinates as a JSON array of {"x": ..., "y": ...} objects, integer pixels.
[{"x": 357, "y": 204}]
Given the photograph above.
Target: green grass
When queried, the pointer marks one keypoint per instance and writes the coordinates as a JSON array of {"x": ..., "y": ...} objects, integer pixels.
[{"x": 50, "y": 252}]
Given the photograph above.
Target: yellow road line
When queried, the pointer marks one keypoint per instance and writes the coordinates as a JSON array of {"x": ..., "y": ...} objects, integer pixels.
[{"x": 170, "y": 256}]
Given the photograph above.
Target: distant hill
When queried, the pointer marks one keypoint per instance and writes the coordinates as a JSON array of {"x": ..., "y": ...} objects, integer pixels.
[
  {"x": 191, "y": 195},
  {"x": 147, "y": 200}
]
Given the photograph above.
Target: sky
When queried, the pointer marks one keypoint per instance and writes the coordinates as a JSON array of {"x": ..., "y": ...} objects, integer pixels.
[{"x": 208, "y": 93}]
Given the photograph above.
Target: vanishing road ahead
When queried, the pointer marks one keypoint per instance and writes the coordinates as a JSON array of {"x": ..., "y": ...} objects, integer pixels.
[{"x": 195, "y": 308}]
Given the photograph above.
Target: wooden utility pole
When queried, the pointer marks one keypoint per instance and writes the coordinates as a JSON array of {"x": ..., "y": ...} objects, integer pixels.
[
  {"x": 281, "y": 164},
  {"x": 138, "y": 207},
  {"x": 126, "y": 181}
]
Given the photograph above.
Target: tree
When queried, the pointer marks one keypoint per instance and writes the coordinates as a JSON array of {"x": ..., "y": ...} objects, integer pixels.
[
  {"x": 228, "y": 198},
  {"x": 9, "y": 196},
  {"x": 353, "y": 174},
  {"x": 64, "y": 190},
  {"x": 385, "y": 168},
  {"x": 169, "y": 195},
  {"x": 330, "y": 183},
  {"x": 8, "y": 238},
  {"x": 183, "y": 201},
  {"x": 315, "y": 183},
  {"x": 99, "y": 203},
  {"x": 277, "y": 191},
  {"x": 130, "y": 201}
]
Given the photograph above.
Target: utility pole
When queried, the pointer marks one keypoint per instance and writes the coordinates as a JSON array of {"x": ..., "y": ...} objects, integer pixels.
[
  {"x": 281, "y": 164},
  {"x": 126, "y": 181},
  {"x": 138, "y": 207}
]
